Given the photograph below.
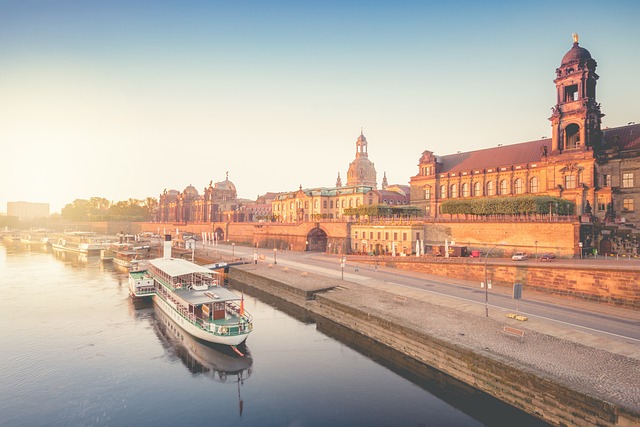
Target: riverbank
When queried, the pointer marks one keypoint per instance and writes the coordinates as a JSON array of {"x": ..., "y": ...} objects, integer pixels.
[{"x": 559, "y": 375}]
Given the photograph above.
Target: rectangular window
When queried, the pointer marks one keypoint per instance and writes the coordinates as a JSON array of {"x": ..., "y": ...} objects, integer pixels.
[
  {"x": 571, "y": 93},
  {"x": 602, "y": 203},
  {"x": 427, "y": 194},
  {"x": 569, "y": 181},
  {"x": 395, "y": 236},
  {"x": 606, "y": 180},
  {"x": 371, "y": 235},
  {"x": 356, "y": 234},
  {"x": 627, "y": 205},
  {"x": 379, "y": 235},
  {"x": 386, "y": 235},
  {"x": 627, "y": 180},
  {"x": 404, "y": 237}
]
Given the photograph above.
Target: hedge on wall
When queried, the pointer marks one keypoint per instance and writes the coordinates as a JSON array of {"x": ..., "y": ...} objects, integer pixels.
[{"x": 522, "y": 205}]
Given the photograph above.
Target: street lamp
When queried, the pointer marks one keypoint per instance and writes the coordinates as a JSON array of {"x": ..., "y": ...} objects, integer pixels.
[
  {"x": 275, "y": 256},
  {"x": 486, "y": 281}
]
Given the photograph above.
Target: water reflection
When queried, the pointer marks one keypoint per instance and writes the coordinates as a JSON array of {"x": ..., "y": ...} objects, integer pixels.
[
  {"x": 217, "y": 362},
  {"x": 481, "y": 406}
]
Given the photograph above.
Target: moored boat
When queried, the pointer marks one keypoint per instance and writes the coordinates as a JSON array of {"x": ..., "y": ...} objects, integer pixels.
[
  {"x": 130, "y": 258},
  {"x": 78, "y": 241},
  {"x": 192, "y": 295}
]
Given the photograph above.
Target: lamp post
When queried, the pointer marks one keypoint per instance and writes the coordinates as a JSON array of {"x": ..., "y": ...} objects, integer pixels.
[
  {"x": 275, "y": 256},
  {"x": 233, "y": 249},
  {"x": 486, "y": 281}
]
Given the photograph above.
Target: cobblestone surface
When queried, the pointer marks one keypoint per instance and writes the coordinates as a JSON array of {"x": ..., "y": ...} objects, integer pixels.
[{"x": 592, "y": 370}]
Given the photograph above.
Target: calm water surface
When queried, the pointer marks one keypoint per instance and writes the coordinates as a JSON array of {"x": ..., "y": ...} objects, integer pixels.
[{"x": 76, "y": 351}]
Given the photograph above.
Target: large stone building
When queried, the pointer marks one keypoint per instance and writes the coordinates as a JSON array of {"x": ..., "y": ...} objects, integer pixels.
[
  {"x": 329, "y": 203},
  {"x": 215, "y": 203},
  {"x": 595, "y": 168}
]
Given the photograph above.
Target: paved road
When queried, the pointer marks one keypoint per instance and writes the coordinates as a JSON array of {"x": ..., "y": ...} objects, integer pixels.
[{"x": 593, "y": 318}]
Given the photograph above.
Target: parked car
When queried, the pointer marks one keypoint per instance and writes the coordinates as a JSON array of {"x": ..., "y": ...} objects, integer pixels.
[
  {"x": 519, "y": 256},
  {"x": 550, "y": 256}
]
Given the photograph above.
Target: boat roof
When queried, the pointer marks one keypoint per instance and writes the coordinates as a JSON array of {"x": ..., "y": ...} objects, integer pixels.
[
  {"x": 206, "y": 297},
  {"x": 175, "y": 267}
]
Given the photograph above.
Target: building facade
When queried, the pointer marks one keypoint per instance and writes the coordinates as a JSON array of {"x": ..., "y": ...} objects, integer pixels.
[
  {"x": 570, "y": 165},
  {"x": 593, "y": 167},
  {"x": 190, "y": 206}
]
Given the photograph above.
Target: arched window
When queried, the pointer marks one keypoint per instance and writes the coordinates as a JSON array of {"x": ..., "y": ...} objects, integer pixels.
[
  {"x": 465, "y": 190},
  {"x": 477, "y": 189},
  {"x": 504, "y": 187},
  {"x": 572, "y": 136},
  {"x": 454, "y": 190},
  {"x": 518, "y": 186},
  {"x": 491, "y": 188},
  {"x": 443, "y": 191},
  {"x": 533, "y": 185}
]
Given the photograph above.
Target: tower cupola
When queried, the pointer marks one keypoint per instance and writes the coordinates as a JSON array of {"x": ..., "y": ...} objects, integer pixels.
[{"x": 576, "y": 117}]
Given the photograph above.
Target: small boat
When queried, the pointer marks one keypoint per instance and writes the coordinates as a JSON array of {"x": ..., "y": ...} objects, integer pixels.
[
  {"x": 106, "y": 254},
  {"x": 130, "y": 258},
  {"x": 192, "y": 295}
]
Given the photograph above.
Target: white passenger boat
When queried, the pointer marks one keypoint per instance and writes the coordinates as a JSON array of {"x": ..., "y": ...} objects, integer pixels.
[
  {"x": 193, "y": 297},
  {"x": 78, "y": 241}
]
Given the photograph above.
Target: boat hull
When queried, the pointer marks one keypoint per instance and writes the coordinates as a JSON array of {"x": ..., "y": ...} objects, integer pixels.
[{"x": 194, "y": 330}]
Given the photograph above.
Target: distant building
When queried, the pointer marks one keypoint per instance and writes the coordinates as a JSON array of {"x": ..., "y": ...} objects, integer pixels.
[
  {"x": 329, "y": 203},
  {"x": 189, "y": 206},
  {"x": 27, "y": 211}
]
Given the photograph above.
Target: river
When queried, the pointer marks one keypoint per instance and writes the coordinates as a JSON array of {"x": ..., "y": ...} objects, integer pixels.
[{"x": 76, "y": 351}]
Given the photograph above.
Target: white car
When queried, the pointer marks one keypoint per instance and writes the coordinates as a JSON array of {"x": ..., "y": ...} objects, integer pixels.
[{"x": 519, "y": 256}]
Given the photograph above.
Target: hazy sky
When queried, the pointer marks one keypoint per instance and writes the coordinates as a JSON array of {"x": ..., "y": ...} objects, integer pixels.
[{"x": 121, "y": 99}]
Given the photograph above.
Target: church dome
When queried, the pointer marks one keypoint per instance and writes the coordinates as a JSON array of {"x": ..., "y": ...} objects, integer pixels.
[
  {"x": 226, "y": 185},
  {"x": 576, "y": 54},
  {"x": 190, "y": 191}
]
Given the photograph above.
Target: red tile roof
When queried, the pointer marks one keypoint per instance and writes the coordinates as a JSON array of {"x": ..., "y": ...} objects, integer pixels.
[
  {"x": 515, "y": 154},
  {"x": 626, "y": 137}
]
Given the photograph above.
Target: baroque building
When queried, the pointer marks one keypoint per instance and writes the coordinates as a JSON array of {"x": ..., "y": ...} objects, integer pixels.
[
  {"x": 329, "y": 203},
  {"x": 581, "y": 162},
  {"x": 189, "y": 206}
]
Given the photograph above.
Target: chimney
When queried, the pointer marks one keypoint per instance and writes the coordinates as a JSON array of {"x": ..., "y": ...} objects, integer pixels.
[{"x": 167, "y": 246}]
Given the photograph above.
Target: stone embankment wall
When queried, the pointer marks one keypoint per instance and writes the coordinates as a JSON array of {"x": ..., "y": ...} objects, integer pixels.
[
  {"x": 606, "y": 282},
  {"x": 479, "y": 357},
  {"x": 518, "y": 386},
  {"x": 560, "y": 238}
]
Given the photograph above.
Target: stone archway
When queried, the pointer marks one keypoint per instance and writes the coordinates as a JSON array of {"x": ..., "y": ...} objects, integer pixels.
[
  {"x": 219, "y": 233},
  {"x": 316, "y": 240}
]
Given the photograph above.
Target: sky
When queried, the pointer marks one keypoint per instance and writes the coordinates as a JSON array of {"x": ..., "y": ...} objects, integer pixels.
[{"x": 123, "y": 99}]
